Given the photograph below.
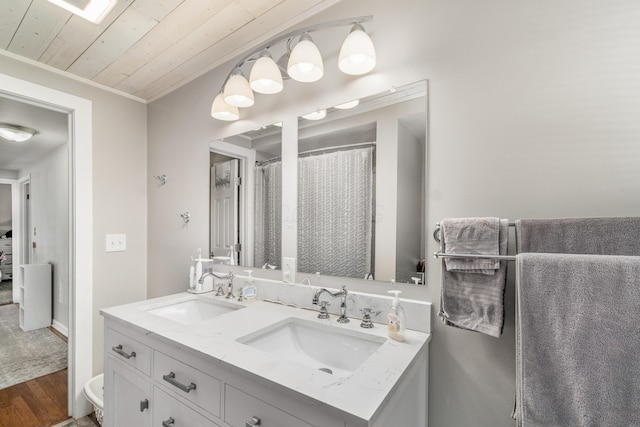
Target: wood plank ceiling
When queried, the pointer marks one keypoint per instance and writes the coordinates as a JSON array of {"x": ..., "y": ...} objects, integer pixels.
[{"x": 146, "y": 48}]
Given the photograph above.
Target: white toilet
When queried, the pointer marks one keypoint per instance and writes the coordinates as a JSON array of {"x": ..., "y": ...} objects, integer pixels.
[{"x": 93, "y": 391}]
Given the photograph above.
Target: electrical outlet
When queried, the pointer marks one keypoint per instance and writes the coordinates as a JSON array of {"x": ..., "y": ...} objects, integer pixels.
[
  {"x": 289, "y": 269},
  {"x": 116, "y": 242}
]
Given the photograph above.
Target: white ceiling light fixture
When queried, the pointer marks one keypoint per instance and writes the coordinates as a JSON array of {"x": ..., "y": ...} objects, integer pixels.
[
  {"x": 91, "y": 10},
  {"x": 15, "y": 133},
  {"x": 303, "y": 62},
  {"x": 357, "y": 54}
]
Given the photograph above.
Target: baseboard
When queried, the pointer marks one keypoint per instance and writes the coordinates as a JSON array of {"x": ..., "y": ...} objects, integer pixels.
[{"x": 60, "y": 328}]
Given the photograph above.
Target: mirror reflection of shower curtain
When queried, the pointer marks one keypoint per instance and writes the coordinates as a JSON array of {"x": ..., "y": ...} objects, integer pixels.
[
  {"x": 268, "y": 226},
  {"x": 335, "y": 206}
]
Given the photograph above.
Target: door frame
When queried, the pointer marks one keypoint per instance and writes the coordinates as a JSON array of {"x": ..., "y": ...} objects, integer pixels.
[
  {"x": 247, "y": 159},
  {"x": 79, "y": 110}
]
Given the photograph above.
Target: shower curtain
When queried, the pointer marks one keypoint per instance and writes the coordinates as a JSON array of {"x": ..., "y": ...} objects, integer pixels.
[
  {"x": 268, "y": 215},
  {"x": 335, "y": 208}
]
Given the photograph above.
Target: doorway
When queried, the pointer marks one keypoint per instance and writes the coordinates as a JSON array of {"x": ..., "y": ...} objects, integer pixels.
[{"x": 80, "y": 260}]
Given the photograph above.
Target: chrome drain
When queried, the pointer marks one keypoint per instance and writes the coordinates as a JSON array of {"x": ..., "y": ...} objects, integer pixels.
[{"x": 327, "y": 370}]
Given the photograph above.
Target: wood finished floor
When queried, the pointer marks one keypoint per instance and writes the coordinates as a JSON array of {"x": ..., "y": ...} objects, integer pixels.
[{"x": 41, "y": 402}]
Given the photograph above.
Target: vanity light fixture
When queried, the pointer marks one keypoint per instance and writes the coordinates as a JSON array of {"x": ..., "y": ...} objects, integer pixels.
[
  {"x": 222, "y": 111},
  {"x": 316, "y": 115},
  {"x": 348, "y": 105},
  {"x": 15, "y": 133},
  {"x": 91, "y": 10},
  {"x": 265, "y": 75},
  {"x": 357, "y": 55},
  {"x": 301, "y": 61}
]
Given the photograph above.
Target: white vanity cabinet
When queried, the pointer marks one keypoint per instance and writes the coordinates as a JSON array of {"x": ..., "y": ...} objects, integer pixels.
[
  {"x": 127, "y": 396},
  {"x": 163, "y": 374}
]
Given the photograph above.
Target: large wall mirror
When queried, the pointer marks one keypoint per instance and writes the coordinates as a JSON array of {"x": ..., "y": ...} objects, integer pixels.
[
  {"x": 361, "y": 187},
  {"x": 246, "y": 198},
  {"x": 361, "y": 191}
]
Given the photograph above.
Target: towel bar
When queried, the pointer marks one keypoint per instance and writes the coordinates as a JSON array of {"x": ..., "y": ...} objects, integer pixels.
[
  {"x": 475, "y": 256},
  {"x": 436, "y": 232}
]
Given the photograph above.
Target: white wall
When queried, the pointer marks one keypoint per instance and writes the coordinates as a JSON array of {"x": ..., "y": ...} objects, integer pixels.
[
  {"x": 49, "y": 206},
  {"x": 119, "y": 190},
  {"x": 533, "y": 112}
]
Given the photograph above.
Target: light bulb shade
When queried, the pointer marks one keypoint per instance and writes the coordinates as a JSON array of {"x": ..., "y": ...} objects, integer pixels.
[
  {"x": 305, "y": 63},
  {"x": 357, "y": 54},
  {"x": 237, "y": 91},
  {"x": 348, "y": 105},
  {"x": 316, "y": 115},
  {"x": 15, "y": 133},
  {"x": 265, "y": 76},
  {"x": 222, "y": 111}
]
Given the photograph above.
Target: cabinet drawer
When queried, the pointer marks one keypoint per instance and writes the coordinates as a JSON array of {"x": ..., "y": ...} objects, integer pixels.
[
  {"x": 169, "y": 411},
  {"x": 240, "y": 408},
  {"x": 129, "y": 351},
  {"x": 187, "y": 382}
]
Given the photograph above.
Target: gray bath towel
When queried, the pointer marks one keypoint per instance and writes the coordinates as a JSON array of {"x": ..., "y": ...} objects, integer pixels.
[
  {"x": 577, "y": 340},
  {"x": 603, "y": 236},
  {"x": 471, "y": 236},
  {"x": 475, "y": 301}
]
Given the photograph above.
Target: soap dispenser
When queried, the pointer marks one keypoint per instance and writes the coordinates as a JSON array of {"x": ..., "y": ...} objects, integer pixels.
[
  {"x": 395, "y": 319},
  {"x": 249, "y": 290}
]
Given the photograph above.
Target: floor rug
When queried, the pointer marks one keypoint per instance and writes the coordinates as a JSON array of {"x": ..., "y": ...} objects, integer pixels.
[
  {"x": 27, "y": 355},
  {"x": 6, "y": 292}
]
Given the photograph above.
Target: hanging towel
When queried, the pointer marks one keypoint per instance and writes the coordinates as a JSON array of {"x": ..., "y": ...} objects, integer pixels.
[
  {"x": 603, "y": 236},
  {"x": 577, "y": 340},
  {"x": 471, "y": 236},
  {"x": 474, "y": 301}
]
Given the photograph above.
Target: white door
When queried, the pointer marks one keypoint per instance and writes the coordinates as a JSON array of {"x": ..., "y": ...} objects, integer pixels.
[{"x": 225, "y": 186}]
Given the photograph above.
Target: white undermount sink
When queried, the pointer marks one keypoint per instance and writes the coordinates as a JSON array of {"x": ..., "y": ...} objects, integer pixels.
[
  {"x": 192, "y": 309},
  {"x": 329, "y": 349}
]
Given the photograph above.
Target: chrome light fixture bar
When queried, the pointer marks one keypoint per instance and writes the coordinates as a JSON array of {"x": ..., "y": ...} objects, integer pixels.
[
  {"x": 15, "y": 133},
  {"x": 302, "y": 63}
]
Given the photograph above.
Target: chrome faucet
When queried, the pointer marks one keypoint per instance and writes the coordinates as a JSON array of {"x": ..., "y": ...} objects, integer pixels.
[
  {"x": 269, "y": 266},
  {"x": 343, "y": 301},
  {"x": 219, "y": 290}
]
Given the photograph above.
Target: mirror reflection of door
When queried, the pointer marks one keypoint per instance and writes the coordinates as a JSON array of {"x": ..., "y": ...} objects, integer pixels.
[{"x": 225, "y": 233}]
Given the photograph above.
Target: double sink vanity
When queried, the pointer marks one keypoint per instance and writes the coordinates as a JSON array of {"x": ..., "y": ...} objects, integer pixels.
[{"x": 205, "y": 360}]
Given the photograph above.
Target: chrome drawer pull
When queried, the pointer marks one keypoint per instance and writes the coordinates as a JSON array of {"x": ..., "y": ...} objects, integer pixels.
[
  {"x": 118, "y": 349},
  {"x": 255, "y": 421},
  {"x": 144, "y": 404},
  {"x": 171, "y": 380},
  {"x": 168, "y": 423}
]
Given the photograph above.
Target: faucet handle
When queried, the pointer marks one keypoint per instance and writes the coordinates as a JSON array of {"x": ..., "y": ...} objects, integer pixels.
[
  {"x": 324, "y": 314},
  {"x": 366, "y": 318}
]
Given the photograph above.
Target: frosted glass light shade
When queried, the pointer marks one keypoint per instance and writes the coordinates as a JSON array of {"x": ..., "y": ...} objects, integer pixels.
[
  {"x": 222, "y": 111},
  {"x": 237, "y": 91},
  {"x": 265, "y": 76},
  {"x": 357, "y": 54},
  {"x": 15, "y": 133},
  {"x": 316, "y": 115},
  {"x": 348, "y": 105},
  {"x": 305, "y": 63}
]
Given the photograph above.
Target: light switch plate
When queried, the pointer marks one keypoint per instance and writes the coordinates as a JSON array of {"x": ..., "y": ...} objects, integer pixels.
[
  {"x": 289, "y": 269},
  {"x": 116, "y": 242}
]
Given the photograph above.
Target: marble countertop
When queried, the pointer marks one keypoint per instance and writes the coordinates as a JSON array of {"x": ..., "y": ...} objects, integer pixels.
[{"x": 359, "y": 395}]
